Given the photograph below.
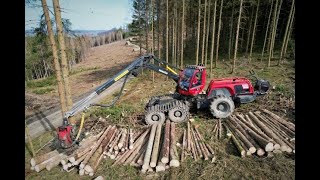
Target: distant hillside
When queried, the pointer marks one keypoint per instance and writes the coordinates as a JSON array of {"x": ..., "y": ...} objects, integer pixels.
[{"x": 29, "y": 32}]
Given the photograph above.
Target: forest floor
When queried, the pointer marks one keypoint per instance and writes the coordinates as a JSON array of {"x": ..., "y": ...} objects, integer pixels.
[{"x": 228, "y": 164}]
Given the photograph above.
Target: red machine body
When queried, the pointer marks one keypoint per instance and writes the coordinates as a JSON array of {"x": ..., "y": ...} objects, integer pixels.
[{"x": 64, "y": 134}]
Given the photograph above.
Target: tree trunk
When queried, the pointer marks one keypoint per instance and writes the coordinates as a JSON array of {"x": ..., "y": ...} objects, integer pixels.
[
  {"x": 204, "y": 31},
  {"x": 64, "y": 61},
  {"x": 265, "y": 38},
  {"x": 155, "y": 150},
  {"x": 183, "y": 145},
  {"x": 286, "y": 33},
  {"x": 254, "y": 31},
  {"x": 167, "y": 35},
  {"x": 289, "y": 125},
  {"x": 198, "y": 32},
  {"x": 182, "y": 35},
  {"x": 237, "y": 36},
  {"x": 152, "y": 36},
  {"x": 57, "y": 68},
  {"x": 218, "y": 37},
  {"x": 147, "y": 26},
  {"x": 39, "y": 159},
  {"x": 269, "y": 132},
  {"x": 272, "y": 33},
  {"x": 249, "y": 33},
  {"x": 166, "y": 144},
  {"x": 290, "y": 30},
  {"x": 212, "y": 36},
  {"x": 173, "y": 40},
  {"x": 147, "y": 157},
  {"x": 174, "y": 162},
  {"x": 231, "y": 32},
  {"x": 275, "y": 29},
  {"x": 207, "y": 35}
]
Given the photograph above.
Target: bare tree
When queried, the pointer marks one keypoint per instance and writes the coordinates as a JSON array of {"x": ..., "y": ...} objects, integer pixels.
[
  {"x": 265, "y": 37},
  {"x": 64, "y": 64},
  {"x": 204, "y": 30},
  {"x": 198, "y": 31},
  {"x": 254, "y": 30},
  {"x": 218, "y": 36},
  {"x": 182, "y": 34},
  {"x": 212, "y": 37},
  {"x": 237, "y": 36}
]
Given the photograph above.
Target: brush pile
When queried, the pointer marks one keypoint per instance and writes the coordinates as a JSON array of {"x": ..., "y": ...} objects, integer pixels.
[{"x": 261, "y": 133}]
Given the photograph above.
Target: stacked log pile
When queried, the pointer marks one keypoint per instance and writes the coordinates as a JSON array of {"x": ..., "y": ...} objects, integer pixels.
[
  {"x": 154, "y": 151},
  {"x": 193, "y": 144},
  {"x": 261, "y": 132}
]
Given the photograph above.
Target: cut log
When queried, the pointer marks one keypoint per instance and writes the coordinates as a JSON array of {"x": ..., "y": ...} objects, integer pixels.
[
  {"x": 166, "y": 144},
  {"x": 193, "y": 149},
  {"x": 242, "y": 137},
  {"x": 228, "y": 132},
  {"x": 220, "y": 129},
  {"x": 55, "y": 161},
  {"x": 39, "y": 159},
  {"x": 238, "y": 146},
  {"x": 42, "y": 165},
  {"x": 147, "y": 156},
  {"x": 160, "y": 167},
  {"x": 155, "y": 150},
  {"x": 93, "y": 150},
  {"x": 236, "y": 122},
  {"x": 81, "y": 172},
  {"x": 280, "y": 126},
  {"x": 122, "y": 139},
  {"x": 188, "y": 137},
  {"x": 93, "y": 160},
  {"x": 174, "y": 162},
  {"x": 200, "y": 145},
  {"x": 288, "y": 124},
  {"x": 136, "y": 151},
  {"x": 253, "y": 126},
  {"x": 141, "y": 157},
  {"x": 78, "y": 161},
  {"x": 137, "y": 143},
  {"x": 269, "y": 132},
  {"x": 196, "y": 143},
  {"x": 202, "y": 141},
  {"x": 131, "y": 139},
  {"x": 117, "y": 140},
  {"x": 134, "y": 161},
  {"x": 108, "y": 137},
  {"x": 266, "y": 144},
  {"x": 183, "y": 145}
]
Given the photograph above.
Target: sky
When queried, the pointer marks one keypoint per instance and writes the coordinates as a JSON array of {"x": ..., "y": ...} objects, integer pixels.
[{"x": 85, "y": 14}]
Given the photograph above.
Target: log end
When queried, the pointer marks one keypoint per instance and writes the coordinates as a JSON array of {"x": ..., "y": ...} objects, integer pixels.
[
  {"x": 269, "y": 147},
  {"x": 242, "y": 153},
  {"x": 153, "y": 164},
  {"x": 248, "y": 153},
  {"x": 174, "y": 163},
  {"x": 36, "y": 168},
  {"x": 145, "y": 167},
  {"x": 276, "y": 146},
  {"x": 284, "y": 148},
  {"x": 32, "y": 168},
  {"x": 33, "y": 162},
  {"x": 82, "y": 166},
  {"x": 160, "y": 167},
  {"x": 88, "y": 168},
  {"x": 81, "y": 172},
  {"x": 72, "y": 159},
  {"x": 252, "y": 150},
  {"x": 165, "y": 160},
  {"x": 260, "y": 152},
  {"x": 91, "y": 174}
]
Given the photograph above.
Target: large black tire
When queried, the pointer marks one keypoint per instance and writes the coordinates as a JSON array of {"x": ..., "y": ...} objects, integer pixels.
[
  {"x": 179, "y": 113},
  {"x": 221, "y": 106},
  {"x": 155, "y": 117}
]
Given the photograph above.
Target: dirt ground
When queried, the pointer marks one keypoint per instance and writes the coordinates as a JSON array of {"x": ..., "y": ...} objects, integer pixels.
[{"x": 102, "y": 62}]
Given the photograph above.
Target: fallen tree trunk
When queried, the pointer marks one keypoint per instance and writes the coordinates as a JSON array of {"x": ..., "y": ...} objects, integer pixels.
[
  {"x": 188, "y": 137},
  {"x": 235, "y": 122},
  {"x": 288, "y": 124},
  {"x": 183, "y": 145},
  {"x": 43, "y": 164},
  {"x": 242, "y": 137},
  {"x": 174, "y": 162},
  {"x": 147, "y": 156},
  {"x": 39, "y": 159},
  {"x": 155, "y": 150},
  {"x": 55, "y": 161},
  {"x": 196, "y": 143},
  {"x": 166, "y": 144},
  {"x": 137, "y": 143},
  {"x": 131, "y": 139},
  {"x": 267, "y": 144},
  {"x": 269, "y": 132},
  {"x": 202, "y": 141}
]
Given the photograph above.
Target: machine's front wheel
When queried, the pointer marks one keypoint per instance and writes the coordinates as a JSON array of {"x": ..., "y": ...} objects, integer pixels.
[
  {"x": 179, "y": 113},
  {"x": 221, "y": 106},
  {"x": 154, "y": 117}
]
